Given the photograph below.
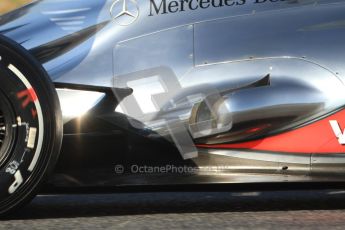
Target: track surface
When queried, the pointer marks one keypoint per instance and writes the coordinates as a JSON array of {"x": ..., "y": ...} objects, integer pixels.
[{"x": 195, "y": 210}]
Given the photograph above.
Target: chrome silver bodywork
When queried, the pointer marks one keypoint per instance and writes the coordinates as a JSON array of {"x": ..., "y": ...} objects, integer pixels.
[{"x": 298, "y": 44}]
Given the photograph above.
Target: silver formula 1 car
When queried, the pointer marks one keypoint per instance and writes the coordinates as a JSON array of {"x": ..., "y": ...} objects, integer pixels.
[{"x": 122, "y": 93}]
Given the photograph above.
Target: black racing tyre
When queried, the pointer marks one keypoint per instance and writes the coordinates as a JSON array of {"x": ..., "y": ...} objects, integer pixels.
[{"x": 30, "y": 126}]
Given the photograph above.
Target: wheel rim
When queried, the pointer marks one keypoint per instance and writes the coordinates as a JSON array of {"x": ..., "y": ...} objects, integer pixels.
[
  {"x": 2, "y": 129},
  {"x": 7, "y": 137}
]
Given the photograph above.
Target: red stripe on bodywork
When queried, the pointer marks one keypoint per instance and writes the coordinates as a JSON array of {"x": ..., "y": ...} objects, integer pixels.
[{"x": 317, "y": 137}]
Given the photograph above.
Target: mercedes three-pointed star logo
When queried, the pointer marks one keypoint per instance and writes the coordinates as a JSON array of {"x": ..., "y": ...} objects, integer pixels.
[{"x": 124, "y": 12}]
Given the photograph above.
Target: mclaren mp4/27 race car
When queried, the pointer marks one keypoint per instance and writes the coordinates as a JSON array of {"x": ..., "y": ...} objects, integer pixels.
[{"x": 122, "y": 93}]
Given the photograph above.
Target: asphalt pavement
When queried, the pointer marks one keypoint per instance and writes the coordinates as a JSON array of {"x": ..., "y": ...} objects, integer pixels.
[{"x": 313, "y": 209}]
